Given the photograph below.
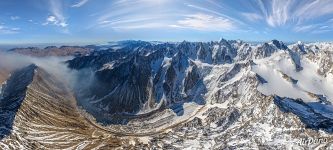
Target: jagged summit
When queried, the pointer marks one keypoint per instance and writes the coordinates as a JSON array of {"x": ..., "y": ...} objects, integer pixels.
[{"x": 279, "y": 44}]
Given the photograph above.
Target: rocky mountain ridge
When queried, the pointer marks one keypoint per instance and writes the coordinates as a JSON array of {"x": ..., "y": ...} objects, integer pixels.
[{"x": 53, "y": 51}]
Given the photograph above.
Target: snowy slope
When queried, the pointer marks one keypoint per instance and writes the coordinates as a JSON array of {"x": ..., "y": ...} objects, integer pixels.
[{"x": 279, "y": 70}]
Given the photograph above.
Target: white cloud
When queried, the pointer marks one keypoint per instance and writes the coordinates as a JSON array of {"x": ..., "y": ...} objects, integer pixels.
[
  {"x": 314, "y": 8},
  {"x": 105, "y": 22},
  {"x": 8, "y": 30},
  {"x": 52, "y": 20},
  {"x": 281, "y": 12},
  {"x": 252, "y": 16},
  {"x": 14, "y": 17},
  {"x": 130, "y": 24},
  {"x": 205, "y": 22},
  {"x": 139, "y": 26},
  {"x": 314, "y": 28},
  {"x": 215, "y": 12},
  {"x": 321, "y": 31},
  {"x": 303, "y": 28},
  {"x": 80, "y": 3},
  {"x": 324, "y": 27},
  {"x": 163, "y": 14},
  {"x": 57, "y": 18}
]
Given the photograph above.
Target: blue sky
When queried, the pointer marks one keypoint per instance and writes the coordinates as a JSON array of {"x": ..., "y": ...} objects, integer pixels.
[{"x": 89, "y": 21}]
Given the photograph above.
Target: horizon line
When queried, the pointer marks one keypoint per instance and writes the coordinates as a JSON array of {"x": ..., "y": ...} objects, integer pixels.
[{"x": 164, "y": 41}]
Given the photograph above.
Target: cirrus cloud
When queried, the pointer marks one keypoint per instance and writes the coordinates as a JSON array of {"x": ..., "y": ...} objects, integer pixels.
[
  {"x": 80, "y": 3},
  {"x": 206, "y": 22},
  {"x": 8, "y": 30},
  {"x": 14, "y": 17}
]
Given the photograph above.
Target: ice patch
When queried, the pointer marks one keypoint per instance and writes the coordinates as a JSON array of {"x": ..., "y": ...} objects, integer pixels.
[{"x": 309, "y": 82}]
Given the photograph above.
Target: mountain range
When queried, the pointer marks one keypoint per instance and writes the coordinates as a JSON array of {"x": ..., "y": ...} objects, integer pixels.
[{"x": 226, "y": 94}]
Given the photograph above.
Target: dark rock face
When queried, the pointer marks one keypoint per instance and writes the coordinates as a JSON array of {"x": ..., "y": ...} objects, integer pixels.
[
  {"x": 191, "y": 78},
  {"x": 128, "y": 84},
  {"x": 296, "y": 58},
  {"x": 279, "y": 44},
  {"x": 261, "y": 79},
  {"x": 314, "y": 115},
  {"x": 12, "y": 95},
  {"x": 204, "y": 53}
]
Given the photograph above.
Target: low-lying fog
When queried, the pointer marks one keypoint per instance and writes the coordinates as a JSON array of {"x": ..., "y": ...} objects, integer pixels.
[{"x": 53, "y": 65}]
